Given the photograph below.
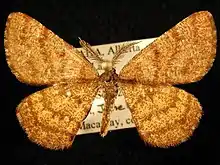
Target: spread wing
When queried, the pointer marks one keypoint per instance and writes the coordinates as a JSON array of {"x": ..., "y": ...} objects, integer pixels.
[
  {"x": 37, "y": 56},
  {"x": 52, "y": 117},
  {"x": 183, "y": 54},
  {"x": 164, "y": 115}
]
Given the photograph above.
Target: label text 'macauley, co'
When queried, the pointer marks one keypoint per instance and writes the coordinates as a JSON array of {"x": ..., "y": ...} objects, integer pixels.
[
  {"x": 113, "y": 49},
  {"x": 93, "y": 125}
]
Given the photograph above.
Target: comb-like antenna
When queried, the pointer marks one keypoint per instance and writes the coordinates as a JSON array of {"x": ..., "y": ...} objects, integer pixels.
[
  {"x": 93, "y": 54},
  {"x": 120, "y": 53}
]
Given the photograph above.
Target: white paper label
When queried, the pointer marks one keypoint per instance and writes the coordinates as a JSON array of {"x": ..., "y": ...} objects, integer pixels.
[{"x": 121, "y": 116}]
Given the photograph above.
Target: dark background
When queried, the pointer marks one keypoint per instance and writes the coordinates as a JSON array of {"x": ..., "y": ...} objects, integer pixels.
[{"x": 102, "y": 23}]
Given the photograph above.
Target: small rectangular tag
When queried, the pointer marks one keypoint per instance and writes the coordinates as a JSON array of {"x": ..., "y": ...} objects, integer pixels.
[{"x": 121, "y": 116}]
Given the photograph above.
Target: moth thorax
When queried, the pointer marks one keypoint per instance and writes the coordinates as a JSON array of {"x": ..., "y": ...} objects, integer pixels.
[{"x": 106, "y": 65}]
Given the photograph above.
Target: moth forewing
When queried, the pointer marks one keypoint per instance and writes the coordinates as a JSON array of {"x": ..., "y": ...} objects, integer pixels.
[
  {"x": 183, "y": 54},
  {"x": 37, "y": 56}
]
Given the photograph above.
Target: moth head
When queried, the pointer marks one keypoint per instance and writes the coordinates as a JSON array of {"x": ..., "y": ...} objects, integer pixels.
[{"x": 107, "y": 65}]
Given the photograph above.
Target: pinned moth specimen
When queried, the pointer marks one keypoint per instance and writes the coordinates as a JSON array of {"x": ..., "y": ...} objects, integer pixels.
[{"x": 164, "y": 115}]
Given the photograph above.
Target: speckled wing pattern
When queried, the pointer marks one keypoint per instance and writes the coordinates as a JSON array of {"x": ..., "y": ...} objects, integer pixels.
[
  {"x": 50, "y": 117},
  {"x": 39, "y": 57},
  {"x": 184, "y": 54},
  {"x": 164, "y": 115}
]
